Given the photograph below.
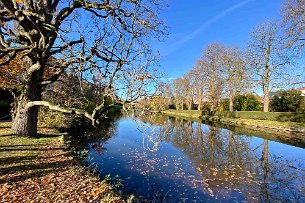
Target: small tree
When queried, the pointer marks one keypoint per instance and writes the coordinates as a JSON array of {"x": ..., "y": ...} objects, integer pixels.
[{"x": 287, "y": 101}]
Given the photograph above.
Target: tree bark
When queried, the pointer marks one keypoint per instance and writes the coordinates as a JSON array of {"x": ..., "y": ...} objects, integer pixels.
[
  {"x": 26, "y": 119},
  {"x": 231, "y": 105},
  {"x": 266, "y": 100},
  {"x": 199, "y": 105}
]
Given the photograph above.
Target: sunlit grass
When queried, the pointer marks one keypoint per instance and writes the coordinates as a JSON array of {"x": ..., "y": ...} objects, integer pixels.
[{"x": 18, "y": 151}]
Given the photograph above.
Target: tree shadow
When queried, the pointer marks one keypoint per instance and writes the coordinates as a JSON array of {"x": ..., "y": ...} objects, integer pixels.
[
  {"x": 16, "y": 159},
  {"x": 40, "y": 135},
  {"x": 28, "y": 169},
  {"x": 5, "y": 149}
]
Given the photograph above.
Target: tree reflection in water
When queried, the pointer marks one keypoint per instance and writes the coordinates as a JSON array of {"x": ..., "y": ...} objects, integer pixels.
[
  {"x": 229, "y": 165},
  {"x": 206, "y": 161}
]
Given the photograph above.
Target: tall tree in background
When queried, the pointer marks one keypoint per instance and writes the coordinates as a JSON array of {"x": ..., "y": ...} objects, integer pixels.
[
  {"x": 212, "y": 66},
  {"x": 189, "y": 89},
  {"x": 268, "y": 59},
  {"x": 179, "y": 93},
  {"x": 235, "y": 73},
  {"x": 200, "y": 84},
  {"x": 110, "y": 42}
]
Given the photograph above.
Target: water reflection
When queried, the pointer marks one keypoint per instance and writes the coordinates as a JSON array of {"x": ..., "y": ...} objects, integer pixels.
[{"x": 174, "y": 160}]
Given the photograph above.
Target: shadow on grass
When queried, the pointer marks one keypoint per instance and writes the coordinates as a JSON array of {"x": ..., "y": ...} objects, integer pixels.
[
  {"x": 5, "y": 135},
  {"x": 21, "y": 145},
  {"x": 21, "y": 177},
  {"x": 47, "y": 136},
  {"x": 28, "y": 169},
  {"x": 28, "y": 149},
  {"x": 16, "y": 159}
]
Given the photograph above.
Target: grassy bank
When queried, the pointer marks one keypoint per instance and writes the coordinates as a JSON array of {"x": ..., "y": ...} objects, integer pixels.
[
  {"x": 43, "y": 170},
  {"x": 258, "y": 125},
  {"x": 184, "y": 113}
]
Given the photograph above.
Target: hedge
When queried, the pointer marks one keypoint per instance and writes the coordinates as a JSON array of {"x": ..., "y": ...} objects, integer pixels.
[{"x": 258, "y": 115}]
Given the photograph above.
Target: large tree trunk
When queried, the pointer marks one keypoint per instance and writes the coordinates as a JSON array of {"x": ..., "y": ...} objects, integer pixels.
[{"x": 26, "y": 119}]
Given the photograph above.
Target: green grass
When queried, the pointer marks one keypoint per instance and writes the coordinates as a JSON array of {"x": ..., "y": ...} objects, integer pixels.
[
  {"x": 17, "y": 153},
  {"x": 184, "y": 113}
]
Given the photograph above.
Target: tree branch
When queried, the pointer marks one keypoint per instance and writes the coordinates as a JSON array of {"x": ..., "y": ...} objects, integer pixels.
[{"x": 58, "y": 108}]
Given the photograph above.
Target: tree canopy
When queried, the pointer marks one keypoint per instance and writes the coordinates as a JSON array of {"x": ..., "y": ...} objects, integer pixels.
[{"x": 106, "y": 41}]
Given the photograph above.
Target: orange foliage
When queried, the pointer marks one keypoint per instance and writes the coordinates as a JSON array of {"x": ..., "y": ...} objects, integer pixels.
[
  {"x": 20, "y": 1},
  {"x": 11, "y": 74}
]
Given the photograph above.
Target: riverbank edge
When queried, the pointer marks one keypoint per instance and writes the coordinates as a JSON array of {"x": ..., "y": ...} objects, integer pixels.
[
  {"x": 19, "y": 179},
  {"x": 290, "y": 128}
]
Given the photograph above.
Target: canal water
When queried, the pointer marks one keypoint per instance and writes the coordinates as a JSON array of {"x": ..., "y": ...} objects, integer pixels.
[{"x": 167, "y": 159}]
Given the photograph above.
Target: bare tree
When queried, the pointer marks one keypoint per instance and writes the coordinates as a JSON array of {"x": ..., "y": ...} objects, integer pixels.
[
  {"x": 100, "y": 37},
  {"x": 293, "y": 20},
  {"x": 212, "y": 66},
  {"x": 198, "y": 84},
  {"x": 235, "y": 73},
  {"x": 268, "y": 59},
  {"x": 179, "y": 93},
  {"x": 189, "y": 89}
]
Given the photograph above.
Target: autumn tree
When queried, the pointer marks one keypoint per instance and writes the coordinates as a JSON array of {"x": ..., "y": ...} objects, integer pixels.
[
  {"x": 12, "y": 74},
  {"x": 268, "y": 59},
  {"x": 101, "y": 38}
]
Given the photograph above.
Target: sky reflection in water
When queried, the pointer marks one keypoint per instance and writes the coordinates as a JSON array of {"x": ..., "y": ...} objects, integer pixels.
[{"x": 175, "y": 160}]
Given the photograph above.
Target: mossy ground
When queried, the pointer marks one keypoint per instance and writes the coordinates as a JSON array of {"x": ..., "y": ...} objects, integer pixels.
[{"x": 43, "y": 170}]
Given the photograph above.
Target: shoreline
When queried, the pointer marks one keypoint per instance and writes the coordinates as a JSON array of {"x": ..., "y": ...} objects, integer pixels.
[
  {"x": 43, "y": 169},
  {"x": 282, "y": 128}
]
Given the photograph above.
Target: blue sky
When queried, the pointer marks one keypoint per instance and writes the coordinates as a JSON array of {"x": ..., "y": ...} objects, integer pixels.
[{"x": 193, "y": 24}]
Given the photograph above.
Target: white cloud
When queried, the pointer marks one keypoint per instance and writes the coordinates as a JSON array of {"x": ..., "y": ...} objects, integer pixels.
[{"x": 177, "y": 45}]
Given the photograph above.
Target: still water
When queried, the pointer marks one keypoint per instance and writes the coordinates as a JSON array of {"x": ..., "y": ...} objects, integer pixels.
[{"x": 166, "y": 159}]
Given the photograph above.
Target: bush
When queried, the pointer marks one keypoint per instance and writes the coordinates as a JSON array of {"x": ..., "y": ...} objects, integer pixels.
[
  {"x": 248, "y": 102},
  {"x": 225, "y": 103},
  {"x": 52, "y": 119},
  {"x": 287, "y": 101}
]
